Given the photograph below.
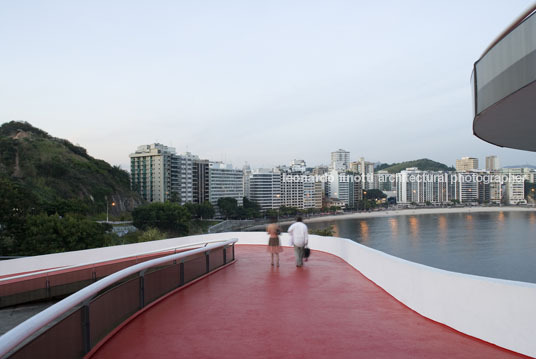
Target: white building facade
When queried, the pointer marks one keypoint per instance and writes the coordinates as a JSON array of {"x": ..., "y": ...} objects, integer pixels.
[
  {"x": 265, "y": 188},
  {"x": 225, "y": 182}
]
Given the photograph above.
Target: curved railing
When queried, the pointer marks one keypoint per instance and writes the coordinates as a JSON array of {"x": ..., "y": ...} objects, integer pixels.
[
  {"x": 73, "y": 326},
  {"x": 57, "y": 282}
]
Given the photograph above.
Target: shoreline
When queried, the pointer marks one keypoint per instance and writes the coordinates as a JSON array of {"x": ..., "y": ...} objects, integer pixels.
[{"x": 410, "y": 212}]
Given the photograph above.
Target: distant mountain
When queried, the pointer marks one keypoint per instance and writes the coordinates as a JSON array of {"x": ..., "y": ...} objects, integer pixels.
[
  {"x": 521, "y": 166},
  {"x": 55, "y": 171},
  {"x": 424, "y": 164}
]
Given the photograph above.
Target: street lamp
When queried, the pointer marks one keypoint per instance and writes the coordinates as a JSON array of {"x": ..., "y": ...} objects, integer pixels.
[{"x": 113, "y": 205}]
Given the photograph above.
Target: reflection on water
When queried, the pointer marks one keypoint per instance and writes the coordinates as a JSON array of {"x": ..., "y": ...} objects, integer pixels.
[
  {"x": 414, "y": 227},
  {"x": 393, "y": 222},
  {"x": 363, "y": 225},
  {"x": 501, "y": 244},
  {"x": 500, "y": 220},
  {"x": 469, "y": 226},
  {"x": 442, "y": 228}
]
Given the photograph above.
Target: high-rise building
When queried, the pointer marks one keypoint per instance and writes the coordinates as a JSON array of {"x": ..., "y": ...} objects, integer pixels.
[
  {"x": 366, "y": 170},
  {"x": 201, "y": 181},
  {"x": 514, "y": 191},
  {"x": 340, "y": 160},
  {"x": 246, "y": 170},
  {"x": 355, "y": 191},
  {"x": 415, "y": 186},
  {"x": 496, "y": 190},
  {"x": 265, "y": 188},
  {"x": 225, "y": 181},
  {"x": 467, "y": 187},
  {"x": 152, "y": 172},
  {"x": 159, "y": 174},
  {"x": 492, "y": 163},
  {"x": 466, "y": 164},
  {"x": 384, "y": 181},
  {"x": 292, "y": 193},
  {"x": 339, "y": 186},
  {"x": 183, "y": 183},
  {"x": 299, "y": 189},
  {"x": 312, "y": 194}
]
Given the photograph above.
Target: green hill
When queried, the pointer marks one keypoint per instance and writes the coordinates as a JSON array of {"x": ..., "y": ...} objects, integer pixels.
[
  {"x": 424, "y": 164},
  {"x": 59, "y": 176}
]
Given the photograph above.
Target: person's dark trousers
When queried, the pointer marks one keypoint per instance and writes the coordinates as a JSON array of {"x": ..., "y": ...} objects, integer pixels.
[{"x": 298, "y": 252}]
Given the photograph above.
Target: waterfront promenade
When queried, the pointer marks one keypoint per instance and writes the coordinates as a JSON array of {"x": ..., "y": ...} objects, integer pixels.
[
  {"x": 417, "y": 211},
  {"x": 325, "y": 309}
]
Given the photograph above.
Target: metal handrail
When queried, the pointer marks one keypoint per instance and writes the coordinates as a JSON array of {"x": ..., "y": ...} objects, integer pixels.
[
  {"x": 26, "y": 329},
  {"x": 74, "y": 266}
]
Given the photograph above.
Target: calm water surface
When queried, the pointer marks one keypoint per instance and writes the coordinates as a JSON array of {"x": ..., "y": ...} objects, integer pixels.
[{"x": 499, "y": 245}]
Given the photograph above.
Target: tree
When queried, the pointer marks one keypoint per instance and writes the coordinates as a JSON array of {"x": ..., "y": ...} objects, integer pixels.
[
  {"x": 206, "y": 210},
  {"x": 175, "y": 197},
  {"x": 287, "y": 211},
  {"x": 151, "y": 234},
  {"x": 168, "y": 217},
  {"x": 374, "y": 194},
  {"x": 271, "y": 213},
  {"x": 53, "y": 234},
  {"x": 252, "y": 208},
  {"x": 15, "y": 205},
  {"x": 228, "y": 207}
]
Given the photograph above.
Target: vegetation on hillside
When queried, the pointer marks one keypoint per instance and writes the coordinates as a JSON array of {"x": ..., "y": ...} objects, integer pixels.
[
  {"x": 423, "y": 164},
  {"x": 51, "y": 191},
  {"x": 61, "y": 177}
]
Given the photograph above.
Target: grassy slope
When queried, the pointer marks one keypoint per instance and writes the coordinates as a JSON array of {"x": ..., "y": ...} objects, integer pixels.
[
  {"x": 53, "y": 168},
  {"x": 422, "y": 164}
]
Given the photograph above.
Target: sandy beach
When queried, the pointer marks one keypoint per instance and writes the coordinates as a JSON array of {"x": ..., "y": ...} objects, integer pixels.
[{"x": 413, "y": 212}]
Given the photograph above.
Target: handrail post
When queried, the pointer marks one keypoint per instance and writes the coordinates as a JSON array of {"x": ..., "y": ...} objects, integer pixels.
[
  {"x": 47, "y": 287},
  {"x": 233, "y": 252},
  {"x": 225, "y": 255},
  {"x": 86, "y": 334},
  {"x": 142, "y": 288},
  {"x": 207, "y": 257},
  {"x": 181, "y": 273}
]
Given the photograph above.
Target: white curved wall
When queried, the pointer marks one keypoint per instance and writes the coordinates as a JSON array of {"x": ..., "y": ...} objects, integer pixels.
[{"x": 497, "y": 311}]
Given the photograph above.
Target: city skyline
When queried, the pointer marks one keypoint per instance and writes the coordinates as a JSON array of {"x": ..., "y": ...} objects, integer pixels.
[
  {"x": 328, "y": 164},
  {"x": 262, "y": 83}
]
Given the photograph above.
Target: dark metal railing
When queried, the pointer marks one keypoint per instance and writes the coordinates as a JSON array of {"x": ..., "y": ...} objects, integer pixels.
[{"x": 75, "y": 325}]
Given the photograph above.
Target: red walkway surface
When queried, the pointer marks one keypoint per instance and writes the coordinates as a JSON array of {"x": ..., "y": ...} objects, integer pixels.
[{"x": 326, "y": 309}]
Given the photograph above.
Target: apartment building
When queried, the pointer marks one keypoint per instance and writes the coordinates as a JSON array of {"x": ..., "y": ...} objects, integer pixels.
[
  {"x": 466, "y": 164},
  {"x": 225, "y": 181}
]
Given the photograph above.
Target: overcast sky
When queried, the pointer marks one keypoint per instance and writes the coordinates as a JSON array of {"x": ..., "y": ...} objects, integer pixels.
[{"x": 257, "y": 81}]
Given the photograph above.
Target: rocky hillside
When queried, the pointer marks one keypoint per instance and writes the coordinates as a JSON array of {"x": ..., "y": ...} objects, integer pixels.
[{"x": 59, "y": 174}]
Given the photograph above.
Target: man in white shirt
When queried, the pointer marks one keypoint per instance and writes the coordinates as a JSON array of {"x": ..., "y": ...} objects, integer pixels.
[{"x": 299, "y": 238}]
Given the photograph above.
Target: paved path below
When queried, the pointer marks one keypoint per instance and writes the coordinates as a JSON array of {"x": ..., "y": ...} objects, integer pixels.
[
  {"x": 326, "y": 309},
  {"x": 12, "y": 316}
]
